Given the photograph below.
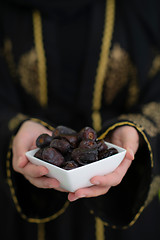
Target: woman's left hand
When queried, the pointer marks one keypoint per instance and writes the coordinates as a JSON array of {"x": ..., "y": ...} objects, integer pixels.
[{"x": 126, "y": 137}]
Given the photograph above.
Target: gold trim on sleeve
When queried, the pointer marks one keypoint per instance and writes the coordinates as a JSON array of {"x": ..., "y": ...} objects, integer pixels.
[
  {"x": 103, "y": 62},
  {"x": 152, "y": 110},
  {"x": 42, "y": 72},
  {"x": 15, "y": 121},
  {"x": 151, "y": 159},
  {"x": 14, "y": 197},
  {"x": 154, "y": 189},
  {"x": 13, "y": 194},
  {"x": 139, "y": 130},
  {"x": 155, "y": 183},
  {"x": 141, "y": 121},
  {"x": 43, "y": 123}
]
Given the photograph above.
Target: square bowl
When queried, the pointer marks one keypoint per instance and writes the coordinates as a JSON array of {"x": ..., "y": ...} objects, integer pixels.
[{"x": 79, "y": 177}]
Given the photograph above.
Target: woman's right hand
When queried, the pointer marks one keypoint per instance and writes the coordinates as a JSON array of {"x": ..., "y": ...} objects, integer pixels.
[{"x": 24, "y": 141}]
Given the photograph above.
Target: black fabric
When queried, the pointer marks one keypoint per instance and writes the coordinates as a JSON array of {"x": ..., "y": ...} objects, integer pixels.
[{"x": 72, "y": 37}]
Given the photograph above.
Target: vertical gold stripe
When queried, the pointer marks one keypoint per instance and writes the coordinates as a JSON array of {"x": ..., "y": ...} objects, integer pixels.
[
  {"x": 99, "y": 229},
  {"x": 38, "y": 38},
  {"x": 98, "y": 87},
  {"x": 103, "y": 62},
  {"x": 41, "y": 231}
]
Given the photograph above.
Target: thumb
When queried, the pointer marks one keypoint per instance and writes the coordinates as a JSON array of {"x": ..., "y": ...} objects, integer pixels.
[{"x": 22, "y": 161}]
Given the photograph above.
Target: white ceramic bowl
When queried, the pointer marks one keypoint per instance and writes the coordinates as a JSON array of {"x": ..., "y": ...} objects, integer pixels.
[{"x": 76, "y": 178}]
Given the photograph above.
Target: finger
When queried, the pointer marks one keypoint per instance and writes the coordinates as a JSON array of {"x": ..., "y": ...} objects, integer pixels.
[
  {"x": 34, "y": 171},
  {"x": 114, "y": 178},
  {"x": 20, "y": 163},
  {"x": 26, "y": 140},
  {"x": 19, "y": 158},
  {"x": 20, "y": 146},
  {"x": 92, "y": 191},
  {"x": 43, "y": 182}
]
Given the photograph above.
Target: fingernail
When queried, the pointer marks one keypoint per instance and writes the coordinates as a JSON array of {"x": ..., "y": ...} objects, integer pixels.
[
  {"x": 131, "y": 153},
  {"x": 73, "y": 199},
  {"x": 43, "y": 172}
]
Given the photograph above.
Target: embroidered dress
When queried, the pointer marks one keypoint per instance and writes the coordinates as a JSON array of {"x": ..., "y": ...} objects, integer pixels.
[{"x": 81, "y": 63}]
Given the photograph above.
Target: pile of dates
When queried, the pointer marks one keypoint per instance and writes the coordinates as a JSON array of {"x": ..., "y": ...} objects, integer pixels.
[{"x": 69, "y": 149}]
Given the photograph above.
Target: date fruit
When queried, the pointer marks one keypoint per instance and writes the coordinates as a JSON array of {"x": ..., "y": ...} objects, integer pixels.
[
  {"x": 62, "y": 130},
  {"x": 70, "y": 165},
  {"x": 61, "y": 145},
  {"x": 52, "y": 156},
  {"x": 87, "y": 133},
  {"x": 88, "y": 144},
  {"x": 43, "y": 140},
  {"x": 84, "y": 155},
  {"x": 107, "y": 153}
]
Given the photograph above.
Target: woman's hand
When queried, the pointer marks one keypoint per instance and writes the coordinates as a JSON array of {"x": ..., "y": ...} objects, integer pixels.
[
  {"x": 24, "y": 141},
  {"x": 126, "y": 137}
]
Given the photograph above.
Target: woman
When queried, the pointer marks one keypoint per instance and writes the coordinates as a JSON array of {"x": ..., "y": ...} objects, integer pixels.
[{"x": 84, "y": 63}]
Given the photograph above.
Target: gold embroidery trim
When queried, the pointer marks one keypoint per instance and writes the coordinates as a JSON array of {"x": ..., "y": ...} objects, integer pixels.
[
  {"x": 43, "y": 123},
  {"x": 8, "y": 54},
  {"x": 28, "y": 73},
  {"x": 142, "y": 122},
  {"x": 103, "y": 62},
  {"x": 155, "y": 67},
  {"x": 152, "y": 110},
  {"x": 140, "y": 129},
  {"x": 15, "y": 121},
  {"x": 117, "y": 74},
  {"x": 133, "y": 89},
  {"x": 38, "y": 38},
  {"x": 121, "y": 72}
]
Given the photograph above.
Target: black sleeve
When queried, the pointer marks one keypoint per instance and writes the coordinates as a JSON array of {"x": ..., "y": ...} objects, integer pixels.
[{"x": 123, "y": 204}]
